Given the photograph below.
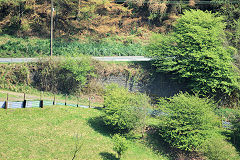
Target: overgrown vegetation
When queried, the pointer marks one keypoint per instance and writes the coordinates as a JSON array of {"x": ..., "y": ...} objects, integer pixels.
[
  {"x": 72, "y": 18},
  {"x": 103, "y": 18},
  {"x": 14, "y": 75},
  {"x": 230, "y": 11},
  {"x": 197, "y": 52},
  {"x": 69, "y": 75},
  {"x": 26, "y": 47},
  {"x": 61, "y": 76}
]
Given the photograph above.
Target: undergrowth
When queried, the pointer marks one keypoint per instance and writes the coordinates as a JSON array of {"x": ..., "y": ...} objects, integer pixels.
[{"x": 68, "y": 76}]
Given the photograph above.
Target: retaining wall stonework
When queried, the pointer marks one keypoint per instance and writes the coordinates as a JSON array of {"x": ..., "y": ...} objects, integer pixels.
[{"x": 158, "y": 85}]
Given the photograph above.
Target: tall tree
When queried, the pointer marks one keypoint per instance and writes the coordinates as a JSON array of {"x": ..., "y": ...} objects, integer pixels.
[{"x": 197, "y": 52}]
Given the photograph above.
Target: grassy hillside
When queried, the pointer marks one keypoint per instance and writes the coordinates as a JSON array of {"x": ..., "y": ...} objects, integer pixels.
[
  {"x": 96, "y": 20},
  {"x": 54, "y": 133},
  {"x": 71, "y": 18}
]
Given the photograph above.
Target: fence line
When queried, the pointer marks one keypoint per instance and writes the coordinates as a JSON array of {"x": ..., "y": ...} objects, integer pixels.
[
  {"x": 36, "y": 103},
  {"x": 41, "y": 103}
]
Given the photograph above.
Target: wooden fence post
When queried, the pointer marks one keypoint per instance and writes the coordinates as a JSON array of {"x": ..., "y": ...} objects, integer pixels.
[
  {"x": 41, "y": 101},
  {"x": 77, "y": 100},
  {"x": 6, "y": 102},
  {"x": 89, "y": 99},
  {"x": 54, "y": 100},
  {"x": 24, "y": 101},
  {"x": 65, "y": 100}
]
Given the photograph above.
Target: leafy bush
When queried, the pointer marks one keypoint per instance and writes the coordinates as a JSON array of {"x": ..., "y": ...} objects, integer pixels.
[
  {"x": 47, "y": 74},
  {"x": 125, "y": 111},
  {"x": 197, "y": 52},
  {"x": 216, "y": 148},
  {"x": 188, "y": 121},
  {"x": 236, "y": 129},
  {"x": 80, "y": 67},
  {"x": 120, "y": 145}
]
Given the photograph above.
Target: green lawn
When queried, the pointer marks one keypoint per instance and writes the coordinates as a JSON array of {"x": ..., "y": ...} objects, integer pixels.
[{"x": 53, "y": 132}]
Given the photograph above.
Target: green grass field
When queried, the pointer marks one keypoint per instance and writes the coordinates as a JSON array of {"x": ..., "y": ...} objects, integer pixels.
[{"x": 54, "y": 132}]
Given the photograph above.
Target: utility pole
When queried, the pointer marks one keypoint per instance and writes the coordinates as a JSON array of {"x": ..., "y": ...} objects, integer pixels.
[{"x": 51, "y": 43}]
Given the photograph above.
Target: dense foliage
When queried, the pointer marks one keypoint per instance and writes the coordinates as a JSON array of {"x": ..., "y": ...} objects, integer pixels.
[
  {"x": 125, "y": 111},
  {"x": 230, "y": 9},
  {"x": 197, "y": 53},
  {"x": 188, "y": 121}
]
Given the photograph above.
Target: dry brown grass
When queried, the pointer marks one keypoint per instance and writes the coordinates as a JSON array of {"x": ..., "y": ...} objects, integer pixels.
[
  {"x": 192, "y": 3},
  {"x": 173, "y": 16},
  {"x": 158, "y": 7}
]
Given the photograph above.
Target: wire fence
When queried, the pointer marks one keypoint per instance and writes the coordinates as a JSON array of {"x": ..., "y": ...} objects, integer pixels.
[
  {"x": 41, "y": 103},
  {"x": 38, "y": 103}
]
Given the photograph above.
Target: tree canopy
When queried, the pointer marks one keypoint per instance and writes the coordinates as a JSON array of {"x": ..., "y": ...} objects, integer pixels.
[{"x": 198, "y": 53}]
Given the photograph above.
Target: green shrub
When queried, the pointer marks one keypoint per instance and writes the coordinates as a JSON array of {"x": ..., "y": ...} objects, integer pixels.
[
  {"x": 188, "y": 121},
  {"x": 197, "y": 53},
  {"x": 120, "y": 145},
  {"x": 47, "y": 75},
  {"x": 217, "y": 148},
  {"x": 236, "y": 129},
  {"x": 125, "y": 111},
  {"x": 80, "y": 67}
]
